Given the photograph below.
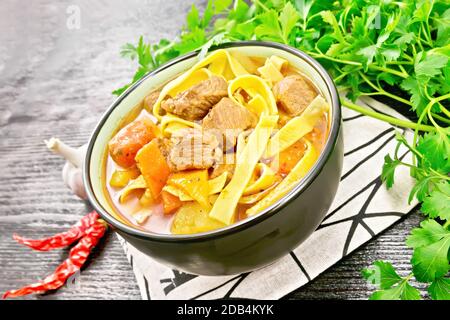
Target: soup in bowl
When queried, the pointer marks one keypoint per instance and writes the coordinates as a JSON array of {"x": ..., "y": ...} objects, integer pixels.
[{"x": 219, "y": 164}]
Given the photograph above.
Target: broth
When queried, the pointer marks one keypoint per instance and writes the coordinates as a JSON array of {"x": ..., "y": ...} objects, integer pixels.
[{"x": 153, "y": 215}]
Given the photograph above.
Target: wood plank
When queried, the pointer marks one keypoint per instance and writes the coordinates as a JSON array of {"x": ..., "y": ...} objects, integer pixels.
[{"x": 57, "y": 82}]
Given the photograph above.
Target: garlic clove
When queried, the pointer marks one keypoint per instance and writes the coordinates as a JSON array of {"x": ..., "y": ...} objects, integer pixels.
[
  {"x": 73, "y": 179},
  {"x": 73, "y": 155},
  {"x": 72, "y": 172}
]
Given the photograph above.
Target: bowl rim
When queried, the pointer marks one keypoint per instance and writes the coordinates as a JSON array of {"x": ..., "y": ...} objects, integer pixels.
[{"x": 252, "y": 220}]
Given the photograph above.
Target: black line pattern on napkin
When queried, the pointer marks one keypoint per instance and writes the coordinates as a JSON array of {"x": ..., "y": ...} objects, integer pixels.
[
  {"x": 367, "y": 215},
  {"x": 177, "y": 280},
  {"x": 368, "y": 143},
  {"x": 297, "y": 261},
  {"x": 219, "y": 286},
  {"x": 360, "y": 163},
  {"x": 362, "y": 214},
  {"x": 235, "y": 285},
  {"x": 358, "y": 219},
  {"x": 353, "y": 118},
  {"x": 383, "y": 214},
  {"x": 351, "y": 198},
  {"x": 147, "y": 290}
]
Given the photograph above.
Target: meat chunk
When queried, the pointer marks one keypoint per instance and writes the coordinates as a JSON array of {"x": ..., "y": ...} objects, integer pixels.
[
  {"x": 195, "y": 102},
  {"x": 150, "y": 100},
  {"x": 229, "y": 115},
  {"x": 218, "y": 169},
  {"x": 192, "y": 149},
  {"x": 229, "y": 119},
  {"x": 127, "y": 142},
  {"x": 293, "y": 94},
  {"x": 226, "y": 164}
]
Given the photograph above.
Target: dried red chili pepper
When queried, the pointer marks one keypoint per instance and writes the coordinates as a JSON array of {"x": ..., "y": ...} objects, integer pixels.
[
  {"x": 77, "y": 257},
  {"x": 62, "y": 239}
]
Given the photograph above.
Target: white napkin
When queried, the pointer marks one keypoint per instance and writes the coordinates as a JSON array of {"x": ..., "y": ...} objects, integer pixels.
[{"x": 362, "y": 208}]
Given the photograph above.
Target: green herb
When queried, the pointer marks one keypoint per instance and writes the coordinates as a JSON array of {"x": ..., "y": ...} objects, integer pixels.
[
  {"x": 440, "y": 289},
  {"x": 431, "y": 243},
  {"x": 391, "y": 285},
  {"x": 399, "y": 50}
]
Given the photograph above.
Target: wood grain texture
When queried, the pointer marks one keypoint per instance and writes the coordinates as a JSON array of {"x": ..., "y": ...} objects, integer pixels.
[{"x": 57, "y": 82}]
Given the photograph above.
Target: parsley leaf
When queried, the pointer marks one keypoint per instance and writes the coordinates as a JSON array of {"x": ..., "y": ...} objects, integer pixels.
[
  {"x": 269, "y": 28},
  {"x": 221, "y": 5},
  {"x": 330, "y": 18},
  {"x": 388, "y": 171},
  {"x": 429, "y": 233},
  {"x": 288, "y": 18},
  {"x": 430, "y": 66},
  {"x": 440, "y": 289},
  {"x": 392, "y": 286},
  {"x": 443, "y": 28},
  {"x": 431, "y": 244},
  {"x": 430, "y": 262},
  {"x": 240, "y": 12},
  {"x": 415, "y": 89},
  {"x": 141, "y": 52},
  {"x": 409, "y": 292},
  {"x": 276, "y": 27},
  {"x": 421, "y": 189},
  {"x": 435, "y": 148},
  {"x": 303, "y": 7},
  {"x": 193, "y": 18},
  {"x": 437, "y": 204},
  {"x": 382, "y": 274},
  {"x": 403, "y": 291}
]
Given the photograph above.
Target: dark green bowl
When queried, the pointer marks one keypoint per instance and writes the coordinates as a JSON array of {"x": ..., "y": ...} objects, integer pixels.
[{"x": 251, "y": 243}]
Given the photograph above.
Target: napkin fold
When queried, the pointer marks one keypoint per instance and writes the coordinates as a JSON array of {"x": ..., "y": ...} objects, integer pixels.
[{"x": 361, "y": 209}]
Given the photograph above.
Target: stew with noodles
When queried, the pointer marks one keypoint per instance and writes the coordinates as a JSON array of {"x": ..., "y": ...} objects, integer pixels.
[{"x": 221, "y": 142}]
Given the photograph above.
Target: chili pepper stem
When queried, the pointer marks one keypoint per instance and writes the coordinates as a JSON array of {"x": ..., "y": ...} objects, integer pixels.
[
  {"x": 103, "y": 222},
  {"x": 70, "y": 154}
]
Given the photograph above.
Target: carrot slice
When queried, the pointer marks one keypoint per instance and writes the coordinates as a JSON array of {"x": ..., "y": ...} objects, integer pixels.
[
  {"x": 124, "y": 146},
  {"x": 153, "y": 166},
  {"x": 288, "y": 158},
  {"x": 171, "y": 203}
]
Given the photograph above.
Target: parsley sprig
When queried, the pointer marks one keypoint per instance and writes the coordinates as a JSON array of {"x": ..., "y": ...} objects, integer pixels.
[{"x": 395, "y": 50}]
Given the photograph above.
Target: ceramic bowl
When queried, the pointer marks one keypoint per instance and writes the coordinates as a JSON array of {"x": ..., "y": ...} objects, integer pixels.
[{"x": 251, "y": 243}]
